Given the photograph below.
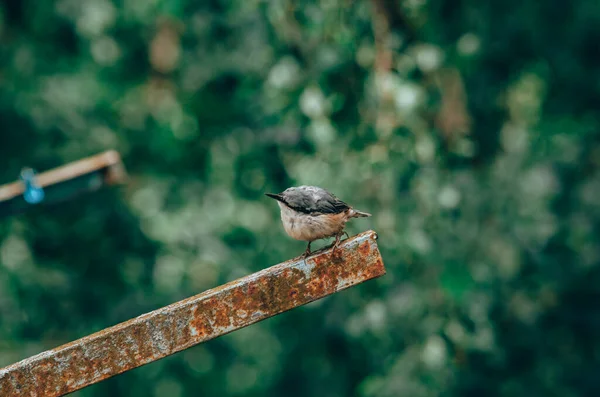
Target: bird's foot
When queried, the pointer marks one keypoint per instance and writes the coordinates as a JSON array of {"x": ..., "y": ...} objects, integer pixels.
[
  {"x": 336, "y": 244},
  {"x": 306, "y": 252}
]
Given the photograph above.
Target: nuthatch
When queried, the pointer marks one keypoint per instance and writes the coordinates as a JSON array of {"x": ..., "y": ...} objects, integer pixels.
[{"x": 309, "y": 213}]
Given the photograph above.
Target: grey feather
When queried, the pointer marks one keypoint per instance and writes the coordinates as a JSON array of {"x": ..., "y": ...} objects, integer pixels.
[{"x": 313, "y": 200}]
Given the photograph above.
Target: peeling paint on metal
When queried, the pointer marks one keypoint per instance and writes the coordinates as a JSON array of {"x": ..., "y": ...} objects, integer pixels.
[{"x": 183, "y": 324}]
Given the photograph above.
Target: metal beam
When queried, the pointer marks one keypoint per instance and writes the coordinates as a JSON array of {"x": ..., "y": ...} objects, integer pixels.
[
  {"x": 186, "y": 323},
  {"x": 64, "y": 182}
]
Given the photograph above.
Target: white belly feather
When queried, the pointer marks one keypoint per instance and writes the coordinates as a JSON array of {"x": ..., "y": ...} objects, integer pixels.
[{"x": 311, "y": 227}]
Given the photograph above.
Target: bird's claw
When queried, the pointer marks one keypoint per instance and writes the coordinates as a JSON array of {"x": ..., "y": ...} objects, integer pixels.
[
  {"x": 336, "y": 244},
  {"x": 306, "y": 252}
]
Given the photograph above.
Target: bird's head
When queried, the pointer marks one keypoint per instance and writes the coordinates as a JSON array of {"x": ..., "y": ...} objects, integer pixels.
[
  {"x": 280, "y": 197},
  {"x": 300, "y": 198}
]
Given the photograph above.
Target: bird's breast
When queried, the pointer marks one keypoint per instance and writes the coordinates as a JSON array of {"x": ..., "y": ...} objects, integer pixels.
[{"x": 308, "y": 227}]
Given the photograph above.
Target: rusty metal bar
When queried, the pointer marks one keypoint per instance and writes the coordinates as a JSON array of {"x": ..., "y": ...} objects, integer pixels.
[{"x": 200, "y": 318}]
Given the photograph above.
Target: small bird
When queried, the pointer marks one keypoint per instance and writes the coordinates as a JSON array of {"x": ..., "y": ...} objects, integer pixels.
[{"x": 309, "y": 213}]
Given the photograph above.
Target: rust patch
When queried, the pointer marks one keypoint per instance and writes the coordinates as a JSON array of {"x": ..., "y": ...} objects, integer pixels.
[
  {"x": 193, "y": 320},
  {"x": 200, "y": 327},
  {"x": 365, "y": 248},
  {"x": 221, "y": 316}
]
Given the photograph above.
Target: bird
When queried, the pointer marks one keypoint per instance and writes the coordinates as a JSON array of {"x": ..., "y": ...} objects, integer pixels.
[{"x": 310, "y": 213}]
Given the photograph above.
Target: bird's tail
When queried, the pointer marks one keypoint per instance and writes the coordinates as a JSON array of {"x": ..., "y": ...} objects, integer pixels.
[{"x": 357, "y": 214}]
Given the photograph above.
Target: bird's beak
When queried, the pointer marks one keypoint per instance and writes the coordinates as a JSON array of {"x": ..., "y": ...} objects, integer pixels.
[{"x": 277, "y": 197}]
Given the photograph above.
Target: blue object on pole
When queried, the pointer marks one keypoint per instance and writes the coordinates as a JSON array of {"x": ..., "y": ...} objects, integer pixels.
[{"x": 33, "y": 193}]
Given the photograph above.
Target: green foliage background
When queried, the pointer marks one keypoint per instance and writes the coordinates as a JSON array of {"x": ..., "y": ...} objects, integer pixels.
[{"x": 468, "y": 128}]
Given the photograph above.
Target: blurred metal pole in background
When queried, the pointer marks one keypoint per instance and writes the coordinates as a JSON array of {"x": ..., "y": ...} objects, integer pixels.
[
  {"x": 65, "y": 182},
  {"x": 186, "y": 323}
]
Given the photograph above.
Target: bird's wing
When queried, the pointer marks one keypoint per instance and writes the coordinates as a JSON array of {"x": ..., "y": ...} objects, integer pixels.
[{"x": 313, "y": 200}]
